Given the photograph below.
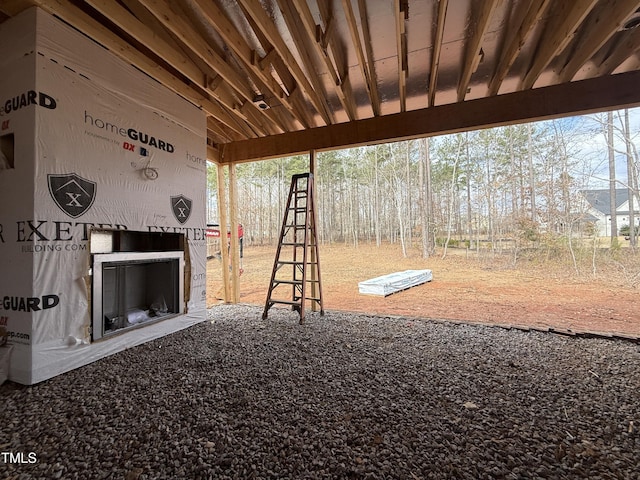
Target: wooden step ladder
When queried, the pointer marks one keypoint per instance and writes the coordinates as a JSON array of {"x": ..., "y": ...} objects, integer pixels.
[{"x": 297, "y": 264}]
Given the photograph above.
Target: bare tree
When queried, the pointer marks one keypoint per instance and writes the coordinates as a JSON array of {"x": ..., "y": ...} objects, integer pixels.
[
  {"x": 424, "y": 191},
  {"x": 452, "y": 186},
  {"x": 532, "y": 178},
  {"x": 612, "y": 178},
  {"x": 631, "y": 180}
]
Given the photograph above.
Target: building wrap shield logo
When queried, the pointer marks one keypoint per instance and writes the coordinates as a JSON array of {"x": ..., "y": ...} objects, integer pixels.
[
  {"x": 72, "y": 193},
  {"x": 181, "y": 207}
]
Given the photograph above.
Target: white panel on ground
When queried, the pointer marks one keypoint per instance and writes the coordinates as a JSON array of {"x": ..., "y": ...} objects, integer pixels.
[{"x": 394, "y": 282}]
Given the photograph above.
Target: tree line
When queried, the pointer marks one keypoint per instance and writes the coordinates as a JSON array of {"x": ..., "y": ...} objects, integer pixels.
[{"x": 516, "y": 185}]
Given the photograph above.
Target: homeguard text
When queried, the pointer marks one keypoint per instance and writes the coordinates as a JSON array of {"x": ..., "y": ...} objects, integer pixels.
[
  {"x": 131, "y": 133},
  {"x": 30, "y": 304},
  {"x": 30, "y": 97}
]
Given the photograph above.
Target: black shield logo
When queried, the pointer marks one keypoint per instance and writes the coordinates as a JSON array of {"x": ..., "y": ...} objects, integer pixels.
[
  {"x": 181, "y": 207},
  {"x": 72, "y": 193}
]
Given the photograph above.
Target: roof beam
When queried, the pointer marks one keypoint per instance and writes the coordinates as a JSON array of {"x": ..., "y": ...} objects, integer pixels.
[
  {"x": 580, "y": 97},
  {"x": 560, "y": 29},
  {"x": 13, "y": 7},
  {"x": 437, "y": 48},
  {"x": 600, "y": 27},
  {"x": 213, "y": 154},
  {"x": 474, "y": 47},
  {"x": 533, "y": 12}
]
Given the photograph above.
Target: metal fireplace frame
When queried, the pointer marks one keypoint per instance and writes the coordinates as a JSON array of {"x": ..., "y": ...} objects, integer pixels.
[{"x": 130, "y": 258}]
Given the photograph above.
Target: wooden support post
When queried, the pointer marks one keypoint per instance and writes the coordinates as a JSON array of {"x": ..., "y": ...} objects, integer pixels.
[
  {"x": 313, "y": 259},
  {"x": 312, "y": 162},
  {"x": 222, "y": 214},
  {"x": 235, "y": 250}
]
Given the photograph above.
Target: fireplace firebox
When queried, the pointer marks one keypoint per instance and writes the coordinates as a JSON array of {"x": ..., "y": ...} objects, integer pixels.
[{"x": 132, "y": 289}]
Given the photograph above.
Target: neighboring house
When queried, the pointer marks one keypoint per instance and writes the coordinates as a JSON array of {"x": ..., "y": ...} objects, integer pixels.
[{"x": 598, "y": 209}]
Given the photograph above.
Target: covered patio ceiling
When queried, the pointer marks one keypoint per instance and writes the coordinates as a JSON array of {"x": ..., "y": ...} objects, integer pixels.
[{"x": 281, "y": 77}]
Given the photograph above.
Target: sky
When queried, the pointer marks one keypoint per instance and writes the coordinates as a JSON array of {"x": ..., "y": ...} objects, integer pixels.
[{"x": 594, "y": 146}]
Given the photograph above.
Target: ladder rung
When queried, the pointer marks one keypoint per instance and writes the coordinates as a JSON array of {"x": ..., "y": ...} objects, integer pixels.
[
  {"x": 294, "y": 281},
  {"x": 291, "y": 262},
  {"x": 288, "y": 282},
  {"x": 286, "y": 302},
  {"x": 289, "y": 244}
]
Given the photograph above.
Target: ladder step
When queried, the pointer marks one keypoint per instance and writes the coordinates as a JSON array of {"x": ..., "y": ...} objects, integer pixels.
[
  {"x": 291, "y": 244},
  {"x": 286, "y": 302},
  {"x": 288, "y": 262},
  {"x": 293, "y": 282}
]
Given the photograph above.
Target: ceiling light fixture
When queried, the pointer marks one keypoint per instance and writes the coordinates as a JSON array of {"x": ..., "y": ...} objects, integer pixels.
[
  {"x": 633, "y": 21},
  {"x": 259, "y": 102}
]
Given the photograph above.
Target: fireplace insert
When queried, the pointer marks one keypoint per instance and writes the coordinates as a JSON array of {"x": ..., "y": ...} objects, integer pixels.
[{"x": 132, "y": 289}]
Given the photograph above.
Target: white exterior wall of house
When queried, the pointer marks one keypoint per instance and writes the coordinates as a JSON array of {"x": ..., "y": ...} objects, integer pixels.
[{"x": 603, "y": 222}]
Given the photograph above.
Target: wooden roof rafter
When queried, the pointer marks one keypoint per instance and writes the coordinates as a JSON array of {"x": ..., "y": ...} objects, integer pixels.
[
  {"x": 367, "y": 64},
  {"x": 302, "y": 42},
  {"x": 331, "y": 40},
  {"x": 220, "y": 131},
  {"x": 555, "y": 101},
  {"x": 268, "y": 29},
  {"x": 437, "y": 48},
  {"x": 321, "y": 39},
  {"x": 89, "y": 26},
  {"x": 176, "y": 24},
  {"x": 216, "y": 17},
  {"x": 272, "y": 62},
  {"x": 401, "y": 13},
  {"x": 558, "y": 32},
  {"x": 599, "y": 28},
  {"x": 160, "y": 47},
  {"x": 625, "y": 48},
  {"x": 237, "y": 61},
  {"x": 530, "y": 13},
  {"x": 474, "y": 53}
]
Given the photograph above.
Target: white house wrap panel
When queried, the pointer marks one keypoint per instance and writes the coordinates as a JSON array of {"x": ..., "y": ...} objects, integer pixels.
[{"x": 90, "y": 143}]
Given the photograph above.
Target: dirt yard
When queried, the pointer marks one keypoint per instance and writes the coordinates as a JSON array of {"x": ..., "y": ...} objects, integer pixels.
[{"x": 463, "y": 289}]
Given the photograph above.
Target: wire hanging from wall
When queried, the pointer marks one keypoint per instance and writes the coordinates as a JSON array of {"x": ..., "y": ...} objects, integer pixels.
[{"x": 149, "y": 172}]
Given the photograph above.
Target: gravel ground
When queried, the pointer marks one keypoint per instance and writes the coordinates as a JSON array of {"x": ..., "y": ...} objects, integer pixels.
[{"x": 342, "y": 396}]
